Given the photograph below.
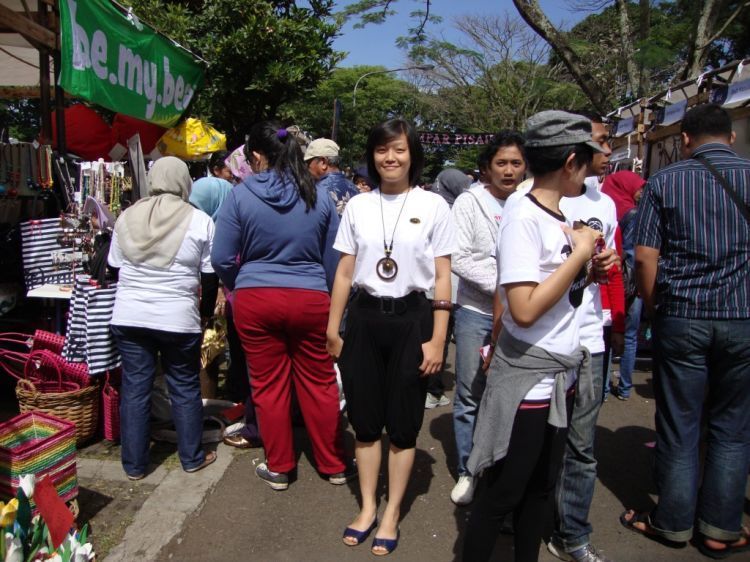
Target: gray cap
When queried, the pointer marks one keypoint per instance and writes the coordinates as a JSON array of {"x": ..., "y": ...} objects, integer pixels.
[
  {"x": 558, "y": 128},
  {"x": 321, "y": 148}
]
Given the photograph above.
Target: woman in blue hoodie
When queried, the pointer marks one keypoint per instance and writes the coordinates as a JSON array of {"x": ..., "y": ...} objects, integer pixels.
[{"x": 282, "y": 227}]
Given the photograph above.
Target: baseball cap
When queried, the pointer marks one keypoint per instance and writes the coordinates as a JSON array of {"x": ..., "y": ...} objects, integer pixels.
[
  {"x": 321, "y": 148},
  {"x": 558, "y": 128}
]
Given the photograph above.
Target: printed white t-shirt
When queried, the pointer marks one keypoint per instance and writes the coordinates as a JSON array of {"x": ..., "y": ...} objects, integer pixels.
[
  {"x": 598, "y": 210},
  {"x": 424, "y": 232},
  {"x": 531, "y": 246},
  {"x": 164, "y": 299}
]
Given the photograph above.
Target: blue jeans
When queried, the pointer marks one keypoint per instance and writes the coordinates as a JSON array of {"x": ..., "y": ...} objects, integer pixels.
[
  {"x": 180, "y": 360},
  {"x": 575, "y": 487},
  {"x": 701, "y": 370},
  {"x": 627, "y": 361},
  {"x": 472, "y": 331}
]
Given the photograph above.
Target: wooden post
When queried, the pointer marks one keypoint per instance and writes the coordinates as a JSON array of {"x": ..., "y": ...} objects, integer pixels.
[
  {"x": 59, "y": 108},
  {"x": 44, "y": 85}
]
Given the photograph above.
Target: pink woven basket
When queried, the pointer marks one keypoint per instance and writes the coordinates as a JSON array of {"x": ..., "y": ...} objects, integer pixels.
[{"x": 111, "y": 405}]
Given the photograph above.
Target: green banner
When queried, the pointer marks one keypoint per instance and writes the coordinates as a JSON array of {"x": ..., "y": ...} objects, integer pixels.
[{"x": 112, "y": 59}]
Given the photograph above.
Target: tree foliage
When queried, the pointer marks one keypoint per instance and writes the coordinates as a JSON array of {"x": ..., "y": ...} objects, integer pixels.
[
  {"x": 260, "y": 54},
  {"x": 673, "y": 41},
  {"x": 379, "y": 97},
  {"x": 496, "y": 77}
]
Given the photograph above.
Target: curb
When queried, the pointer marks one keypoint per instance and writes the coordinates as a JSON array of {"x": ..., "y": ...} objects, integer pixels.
[{"x": 177, "y": 495}]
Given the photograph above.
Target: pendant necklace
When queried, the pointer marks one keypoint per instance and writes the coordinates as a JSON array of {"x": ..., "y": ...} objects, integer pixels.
[{"x": 387, "y": 268}]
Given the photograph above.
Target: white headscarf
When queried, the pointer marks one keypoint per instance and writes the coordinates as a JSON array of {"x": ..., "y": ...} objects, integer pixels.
[{"x": 151, "y": 231}]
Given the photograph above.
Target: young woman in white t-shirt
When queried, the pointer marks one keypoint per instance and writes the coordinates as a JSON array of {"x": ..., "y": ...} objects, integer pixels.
[
  {"x": 395, "y": 245},
  {"x": 522, "y": 422}
]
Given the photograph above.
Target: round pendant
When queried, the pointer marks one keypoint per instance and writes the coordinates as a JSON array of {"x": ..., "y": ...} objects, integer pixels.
[{"x": 387, "y": 268}]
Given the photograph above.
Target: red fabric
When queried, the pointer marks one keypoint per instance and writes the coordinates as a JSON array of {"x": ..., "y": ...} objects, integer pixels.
[
  {"x": 622, "y": 187},
  {"x": 613, "y": 293},
  {"x": 124, "y": 127},
  {"x": 283, "y": 335},
  {"x": 53, "y": 510},
  {"x": 86, "y": 133}
]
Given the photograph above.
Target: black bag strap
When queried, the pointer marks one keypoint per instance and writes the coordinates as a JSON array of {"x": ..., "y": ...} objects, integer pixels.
[{"x": 727, "y": 187}]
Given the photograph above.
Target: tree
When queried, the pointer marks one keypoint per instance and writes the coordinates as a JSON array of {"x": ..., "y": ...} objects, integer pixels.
[
  {"x": 260, "y": 54},
  {"x": 701, "y": 22},
  {"x": 672, "y": 41},
  {"x": 496, "y": 78},
  {"x": 379, "y": 97}
]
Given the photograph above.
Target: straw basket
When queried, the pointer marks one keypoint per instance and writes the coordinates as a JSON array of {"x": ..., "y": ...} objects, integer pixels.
[
  {"x": 35, "y": 443},
  {"x": 64, "y": 399}
]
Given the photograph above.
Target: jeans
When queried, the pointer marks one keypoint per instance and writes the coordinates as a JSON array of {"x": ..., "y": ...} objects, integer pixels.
[
  {"x": 701, "y": 370},
  {"x": 627, "y": 361},
  {"x": 180, "y": 361},
  {"x": 472, "y": 331},
  {"x": 575, "y": 487}
]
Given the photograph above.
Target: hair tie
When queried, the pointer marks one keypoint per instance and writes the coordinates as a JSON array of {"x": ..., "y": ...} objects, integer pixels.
[{"x": 282, "y": 133}]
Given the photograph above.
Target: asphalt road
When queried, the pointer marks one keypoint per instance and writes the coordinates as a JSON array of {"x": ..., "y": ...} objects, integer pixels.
[{"x": 244, "y": 520}]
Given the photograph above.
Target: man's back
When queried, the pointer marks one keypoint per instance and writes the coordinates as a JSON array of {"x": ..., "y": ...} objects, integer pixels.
[{"x": 703, "y": 238}]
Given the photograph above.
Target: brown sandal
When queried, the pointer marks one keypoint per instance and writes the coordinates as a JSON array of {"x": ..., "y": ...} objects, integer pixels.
[{"x": 210, "y": 458}]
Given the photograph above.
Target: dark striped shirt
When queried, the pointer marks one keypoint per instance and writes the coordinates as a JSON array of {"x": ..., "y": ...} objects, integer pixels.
[{"x": 703, "y": 240}]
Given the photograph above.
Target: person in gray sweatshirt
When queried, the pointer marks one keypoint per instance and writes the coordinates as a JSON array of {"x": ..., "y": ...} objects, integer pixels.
[{"x": 477, "y": 214}]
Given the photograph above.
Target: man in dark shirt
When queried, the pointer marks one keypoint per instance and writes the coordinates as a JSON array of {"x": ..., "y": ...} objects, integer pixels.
[
  {"x": 692, "y": 254},
  {"x": 322, "y": 158}
]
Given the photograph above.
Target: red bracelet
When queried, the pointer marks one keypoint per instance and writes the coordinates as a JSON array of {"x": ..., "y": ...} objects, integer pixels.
[{"x": 442, "y": 305}]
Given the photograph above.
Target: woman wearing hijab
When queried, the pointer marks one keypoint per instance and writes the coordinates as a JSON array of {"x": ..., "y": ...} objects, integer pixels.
[
  {"x": 625, "y": 188},
  {"x": 162, "y": 247},
  {"x": 209, "y": 193}
]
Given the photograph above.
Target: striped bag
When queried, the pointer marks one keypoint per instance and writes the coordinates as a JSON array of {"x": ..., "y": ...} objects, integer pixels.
[
  {"x": 88, "y": 337},
  {"x": 39, "y": 246}
]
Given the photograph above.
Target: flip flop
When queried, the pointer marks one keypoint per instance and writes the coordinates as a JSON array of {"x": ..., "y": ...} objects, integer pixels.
[
  {"x": 388, "y": 544},
  {"x": 210, "y": 458},
  {"x": 359, "y": 536},
  {"x": 648, "y": 532},
  {"x": 722, "y": 553}
]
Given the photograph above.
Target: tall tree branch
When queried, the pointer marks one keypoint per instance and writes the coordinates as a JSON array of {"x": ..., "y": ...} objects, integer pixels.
[
  {"x": 538, "y": 21},
  {"x": 626, "y": 41}
]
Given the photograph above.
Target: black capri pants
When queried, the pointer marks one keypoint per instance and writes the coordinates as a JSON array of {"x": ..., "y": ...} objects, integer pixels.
[{"x": 379, "y": 366}]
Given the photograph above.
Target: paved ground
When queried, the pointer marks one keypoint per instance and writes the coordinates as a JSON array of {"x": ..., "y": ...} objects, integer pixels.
[{"x": 242, "y": 519}]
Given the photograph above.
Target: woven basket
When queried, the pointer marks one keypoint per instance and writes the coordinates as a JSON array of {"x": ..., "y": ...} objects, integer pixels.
[
  {"x": 79, "y": 406},
  {"x": 35, "y": 443},
  {"x": 111, "y": 406}
]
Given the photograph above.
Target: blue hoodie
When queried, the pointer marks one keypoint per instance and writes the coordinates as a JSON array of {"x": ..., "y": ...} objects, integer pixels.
[{"x": 279, "y": 244}]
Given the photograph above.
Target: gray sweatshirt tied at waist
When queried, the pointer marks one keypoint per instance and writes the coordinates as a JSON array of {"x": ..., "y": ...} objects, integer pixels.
[{"x": 515, "y": 369}]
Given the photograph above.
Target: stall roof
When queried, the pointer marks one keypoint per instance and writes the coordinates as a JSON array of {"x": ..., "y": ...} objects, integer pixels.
[{"x": 19, "y": 58}]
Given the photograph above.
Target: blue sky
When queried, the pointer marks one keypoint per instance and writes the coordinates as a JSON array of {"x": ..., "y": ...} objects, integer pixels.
[{"x": 376, "y": 44}]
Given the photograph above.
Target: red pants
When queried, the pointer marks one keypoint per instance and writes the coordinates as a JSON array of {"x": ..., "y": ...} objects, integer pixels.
[{"x": 283, "y": 333}]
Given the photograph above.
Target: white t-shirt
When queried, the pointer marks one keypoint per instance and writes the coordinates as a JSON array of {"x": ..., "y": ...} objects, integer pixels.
[
  {"x": 424, "y": 232},
  {"x": 531, "y": 246},
  {"x": 164, "y": 299},
  {"x": 598, "y": 210}
]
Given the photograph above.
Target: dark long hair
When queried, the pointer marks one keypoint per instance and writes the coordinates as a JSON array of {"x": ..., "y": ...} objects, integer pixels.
[
  {"x": 284, "y": 155},
  {"x": 387, "y": 131}
]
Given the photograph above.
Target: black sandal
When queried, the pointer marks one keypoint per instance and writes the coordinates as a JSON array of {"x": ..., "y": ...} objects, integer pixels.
[
  {"x": 648, "y": 532},
  {"x": 722, "y": 553}
]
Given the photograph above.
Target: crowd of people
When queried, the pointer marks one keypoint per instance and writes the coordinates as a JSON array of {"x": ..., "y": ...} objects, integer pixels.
[{"x": 539, "y": 268}]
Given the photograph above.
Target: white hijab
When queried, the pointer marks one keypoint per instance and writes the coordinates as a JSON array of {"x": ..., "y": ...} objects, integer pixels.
[{"x": 151, "y": 231}]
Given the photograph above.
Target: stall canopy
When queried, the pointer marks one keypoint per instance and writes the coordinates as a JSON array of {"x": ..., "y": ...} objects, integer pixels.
[{"x": 111, "y": 58}]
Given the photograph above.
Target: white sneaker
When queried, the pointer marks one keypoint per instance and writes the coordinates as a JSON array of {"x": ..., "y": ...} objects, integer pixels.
[
  {"x": 431, "y": 402},
  {"x": 463, "y": 491}
]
